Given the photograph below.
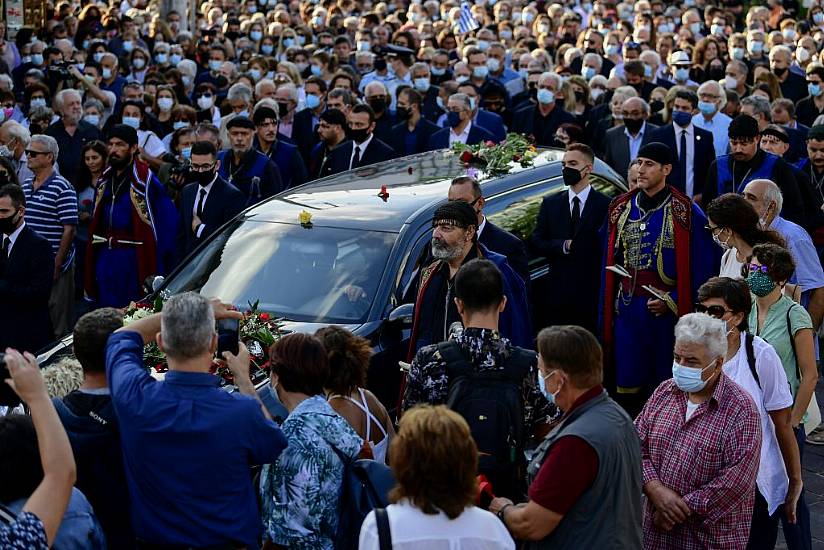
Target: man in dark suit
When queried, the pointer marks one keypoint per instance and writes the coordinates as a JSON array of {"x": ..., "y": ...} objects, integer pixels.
[
  {"x": 693, "y": 146},
  {"x": 364, "y": 148},
  {"x": 207, "y": 202},
  {"x": 26, "y": 269},
  {"x": 459, "y": 126},
  {"x": 467, "y": 189},
  {"x": 541, "y": 119},
  {"x": 412, "y": 135},
  {"x": 567, "y": 233},
  {"x": 493, "y": 122},
  {"x": 783, "y": 114},
  {"x": 284, "y": 154},
  {"x": 305, "y": 121},
  {"x": 622, "y": 143}
]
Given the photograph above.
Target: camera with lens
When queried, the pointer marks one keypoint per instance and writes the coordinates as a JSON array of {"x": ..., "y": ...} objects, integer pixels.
[
  {"x": 179, "y": 167},
  {"x": 61, "y": 69}
]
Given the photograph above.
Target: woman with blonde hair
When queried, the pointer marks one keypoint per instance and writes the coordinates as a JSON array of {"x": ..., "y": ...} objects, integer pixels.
[{"x": 435, "y": 461}]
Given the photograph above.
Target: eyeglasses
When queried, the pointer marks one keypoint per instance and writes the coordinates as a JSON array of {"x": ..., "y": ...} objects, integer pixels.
[
  {"x": 203, "y": 167},
  {"x": 755, "y": 267},
  {"x": 712, "y": 229},
  {"x": 713, "y": 311},
  {"x": 33, "y": 153}
]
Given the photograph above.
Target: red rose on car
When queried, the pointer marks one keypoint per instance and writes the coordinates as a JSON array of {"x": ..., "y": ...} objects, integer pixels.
[
  {"x": 265, "y": 317},
  {"x": 466, "y": 156}
]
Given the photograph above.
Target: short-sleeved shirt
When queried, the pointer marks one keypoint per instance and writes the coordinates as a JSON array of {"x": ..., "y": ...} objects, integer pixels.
[
  {"x": 776, "y": 332},
  {"x": 770, "y": 393},
  {"x": 205, "y": 438},
  {"x": 69, "y": 157},
  {"x": 49, "y": 208}
]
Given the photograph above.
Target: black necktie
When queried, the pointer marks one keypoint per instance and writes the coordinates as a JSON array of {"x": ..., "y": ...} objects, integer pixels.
[
  {"x": 682, "y": 161},
  {"x": 576, "y": 214},
  {"x": 356, "y": 158},
  {"x": 201, "y": 202},
  {"x": 4, "y": 251}
]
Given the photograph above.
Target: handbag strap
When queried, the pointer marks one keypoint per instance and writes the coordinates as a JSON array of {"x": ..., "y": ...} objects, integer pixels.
[{"x": 384, "y": 534}]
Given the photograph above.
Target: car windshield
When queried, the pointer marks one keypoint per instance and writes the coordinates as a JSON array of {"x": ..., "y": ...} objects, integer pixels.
[{"x": 317, "y": 274}]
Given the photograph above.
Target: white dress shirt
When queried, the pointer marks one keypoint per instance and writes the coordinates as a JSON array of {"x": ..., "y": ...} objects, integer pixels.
[
  {"x": 208, "y": 190},
  {"x": 689, "y": 184},
  {"x": 462, "y": 137},
  {"x": 362, "y": 147},
  {"x": 635, "y": 142},
  {"x": 582, "y": 196},
  {"x": 13, "y": 237},
  {"x": 481, "y": 227}
]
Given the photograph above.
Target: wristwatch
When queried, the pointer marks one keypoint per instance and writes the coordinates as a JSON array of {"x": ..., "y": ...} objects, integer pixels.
[{"x": 500, "y": 513}]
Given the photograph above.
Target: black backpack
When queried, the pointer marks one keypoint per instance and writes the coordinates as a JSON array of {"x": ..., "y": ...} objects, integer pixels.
[
  {"x": 366, "y": 485},
  {"x": 492, "y": 403}
]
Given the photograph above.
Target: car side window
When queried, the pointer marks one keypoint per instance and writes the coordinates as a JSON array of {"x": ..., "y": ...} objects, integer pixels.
[{"x": 417, "y": 253}]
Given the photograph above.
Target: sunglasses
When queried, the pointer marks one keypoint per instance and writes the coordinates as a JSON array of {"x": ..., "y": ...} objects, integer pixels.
[
  {"x": 755, "y": 267},
  {"x": 713, "y": 311},
  {"x": 33, "y": 153}
]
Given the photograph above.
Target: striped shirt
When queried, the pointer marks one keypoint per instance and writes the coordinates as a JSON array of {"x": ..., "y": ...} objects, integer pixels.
[{"x": 49, "y": 208}]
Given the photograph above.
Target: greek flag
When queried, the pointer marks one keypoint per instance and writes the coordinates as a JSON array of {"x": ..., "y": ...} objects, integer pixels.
[{"x": 466, "y": 22}]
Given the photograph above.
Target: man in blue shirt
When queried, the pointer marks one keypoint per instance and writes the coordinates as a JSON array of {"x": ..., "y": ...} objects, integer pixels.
[{"x": 187, "y": 444}]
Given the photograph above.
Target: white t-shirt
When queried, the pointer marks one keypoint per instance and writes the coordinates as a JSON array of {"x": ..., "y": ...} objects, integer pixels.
[
  {"x": 730, "y": 266},
  {"x": 774, "y": 394},
  {"x": 474, "y": 529},
  {"x": 691, "y": 408}
]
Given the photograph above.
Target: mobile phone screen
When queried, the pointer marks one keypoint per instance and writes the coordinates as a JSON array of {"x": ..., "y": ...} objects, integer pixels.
[{"x": 228, "y": 336}]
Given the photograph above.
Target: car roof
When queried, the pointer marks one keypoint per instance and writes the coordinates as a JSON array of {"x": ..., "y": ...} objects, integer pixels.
[{"x": 414, "y": 183}]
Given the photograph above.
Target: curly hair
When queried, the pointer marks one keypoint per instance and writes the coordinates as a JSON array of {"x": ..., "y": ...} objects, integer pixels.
[
  {"x": 734, "y": 292},
  {"x": 435, "y": 461},
  {"x": 348, "y": 357},
  {"x": 732, "y": 211},
  {"x": 779, "y": 261}
]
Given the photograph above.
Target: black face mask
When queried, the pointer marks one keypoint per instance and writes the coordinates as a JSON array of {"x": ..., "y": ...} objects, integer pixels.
[
  {"x": 633, "y": 124},
  {"x": 380, "y": 64},
  {"x": 403, "y": 113},
  {"x": 8, "y": 224},
  {"x": 378, "y": 104},
  {"x": 571, "y": 175},
  {"x": 202, "y": 178},
  {"x": 283, "y": 108},
  {"x": 580, "y": 96},
  {"x": 232, "y": 35},
  {"x": 656, "y": 105},
  {"x": 360, "y": 135},
  {"x": 779, "y": 71}
]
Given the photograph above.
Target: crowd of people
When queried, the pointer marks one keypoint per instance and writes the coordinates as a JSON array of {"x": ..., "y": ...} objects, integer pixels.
[{"x": 669, "y": 395}]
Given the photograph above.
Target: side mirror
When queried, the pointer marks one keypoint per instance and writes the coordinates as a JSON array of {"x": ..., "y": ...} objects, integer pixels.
[{"x": 402, "y": 315}]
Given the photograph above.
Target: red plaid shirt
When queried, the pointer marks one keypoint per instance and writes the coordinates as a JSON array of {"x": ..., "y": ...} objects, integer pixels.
[{"x": 711, "y": 460}]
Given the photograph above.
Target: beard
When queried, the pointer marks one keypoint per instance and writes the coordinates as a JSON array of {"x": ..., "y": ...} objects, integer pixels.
[
  {"x": 119, "y": 163},
  {"x": 442, "y": 251}
]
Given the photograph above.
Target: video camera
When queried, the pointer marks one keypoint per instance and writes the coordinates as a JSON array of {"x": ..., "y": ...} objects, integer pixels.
[{"x": 61, "y": 68}]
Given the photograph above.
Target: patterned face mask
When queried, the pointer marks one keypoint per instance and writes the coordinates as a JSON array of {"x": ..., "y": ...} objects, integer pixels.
[{"x": 760, "y": 283}]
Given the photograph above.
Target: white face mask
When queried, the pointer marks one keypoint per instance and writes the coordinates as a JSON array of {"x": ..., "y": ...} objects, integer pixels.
[{"x": 550, "y": 396}]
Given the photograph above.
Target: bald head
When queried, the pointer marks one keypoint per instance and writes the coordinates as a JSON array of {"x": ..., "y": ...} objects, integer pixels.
[{"x": 765, "y": 196}]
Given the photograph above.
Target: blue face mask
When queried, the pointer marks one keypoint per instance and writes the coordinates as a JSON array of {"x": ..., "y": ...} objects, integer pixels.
[
  {"x": 255, "y": 36},
  {"x": 316, "y": 70},
  {"x": 545, "y": 96},
  {"x": 180, "y": 124},
  {"x": 267, "y": 49},
  {"x": 92, "y": 119},
  {"x": 437, "y": 71},
  {"x": 37, "y": 58},
  {"x": 480, "y": 71},
  {"x": 454, "y": 119},
  {"x": 214, "y": 64},
  {"x": 175, "y": 58},
  {"x": 439, "y": 101},
  {"x": 288, "y": 42},
  {"x": 421, "y": 84},
  {"x": 814, "y": 89},
  {"x": 682, "y": 75},
  {"x": 681, "y": 118},
  {"x": 132, "y": 121},
  {"x": 688, "y": 379},
  {"x": 588, "y": 72},
  {"x": 706, "y": 108},
  {"x": 312, "y": 101},
  {"x": 160, "y": 58},
  {"x": 186, "y": 153},
  {"x": 542, "y": 385},
  {"x": 255, "y": 74}
]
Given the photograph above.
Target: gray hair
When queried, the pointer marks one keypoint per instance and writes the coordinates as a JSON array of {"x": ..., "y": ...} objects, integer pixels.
[
  {"x": 703, "y": 330},
  {"x": 343, "y": 93},
  {"x": 267, "y": 102},
  {"x": 95, "y": 103},
  {"x": 109, "y": 55},
  {"x": 187, "y": 325},
  {"x": 719, "y": 91},
  {"x": 594, "y": 57},
  {"x": 772, "y": 193},
  {"x": 650, "y": 56},
  {"x": 7, "y": 80},
  {"x": 292, "y": 89},
  {"x": 550, "y": 76},
  {"x": 760, "y": 105},
  {"x": 463, "y": 98},
  {"x": 240, "y": 91},
  {"x": 61, "y": 95},
  {"x": 375, "y": 84},
  {"x": 626, "y": 91},
  {"x": 261, "y": 83},
  {"x": 419, "y": 67},
  {"x": 18, "y": 131},
  {"x": 48, "y": 142}
]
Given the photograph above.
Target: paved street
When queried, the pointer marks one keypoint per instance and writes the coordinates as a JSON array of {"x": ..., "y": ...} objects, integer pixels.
[{"x": 814, "y": 483}]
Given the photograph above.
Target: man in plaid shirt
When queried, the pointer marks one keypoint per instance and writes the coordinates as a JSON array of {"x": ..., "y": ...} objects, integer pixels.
[{"x": 700, "y": 447}]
